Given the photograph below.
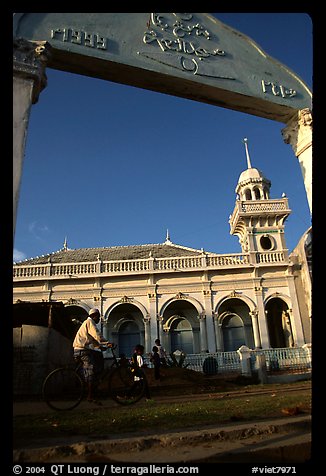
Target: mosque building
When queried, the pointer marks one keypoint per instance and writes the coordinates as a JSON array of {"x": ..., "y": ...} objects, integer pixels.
[{"x": 193, "y": 300}]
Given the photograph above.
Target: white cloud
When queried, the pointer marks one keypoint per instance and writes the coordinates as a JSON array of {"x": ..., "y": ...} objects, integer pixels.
[
  {"x": 18, "y": 255},
  {"x": 31, "y": 226},
  {"x": 38, "y": 230}
]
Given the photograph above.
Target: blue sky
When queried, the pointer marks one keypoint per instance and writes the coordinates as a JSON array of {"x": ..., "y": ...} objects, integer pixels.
[{"x": 112, "y": 165}]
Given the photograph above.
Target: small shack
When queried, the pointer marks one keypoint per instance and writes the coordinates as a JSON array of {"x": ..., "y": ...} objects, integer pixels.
[{"x": 42, "y": 340}]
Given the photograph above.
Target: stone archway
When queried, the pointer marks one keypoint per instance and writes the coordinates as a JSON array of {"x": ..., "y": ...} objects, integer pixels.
[
  {"x": 124, "y": 326},
  {"x": 181, "y": 337},
  {"x": 235, "y": 325},
  {"x": 174, "y": 53},
  {"x": 279, "y": 323},
  {"x": 181, "y": 330}
]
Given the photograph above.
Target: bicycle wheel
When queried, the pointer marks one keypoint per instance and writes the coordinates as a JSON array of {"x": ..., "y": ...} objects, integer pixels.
[
  {"x": 63, "y": 389},
  {"x": 123, "y": 388}
]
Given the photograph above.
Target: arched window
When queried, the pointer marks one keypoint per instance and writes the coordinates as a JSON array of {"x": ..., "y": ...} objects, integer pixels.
[
  {"x": 181, "y": 336},
  {"x": 257, "y": 193},
  {"x": 129, "y": 337},
  {"x": 248, "y": 194},
  {"x": 279, "y": 324},
  {"x": 233, "y": 332}
]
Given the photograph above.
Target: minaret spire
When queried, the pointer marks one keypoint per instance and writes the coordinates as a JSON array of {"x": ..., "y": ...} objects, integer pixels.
[
  {"x": 65, "y": 244},
  {"x": 245, "y": 141},
  {"x": 167, "y": 239}
]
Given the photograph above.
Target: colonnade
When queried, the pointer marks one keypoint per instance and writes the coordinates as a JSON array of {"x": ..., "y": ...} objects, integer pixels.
[{"x": 155, "y": 327}]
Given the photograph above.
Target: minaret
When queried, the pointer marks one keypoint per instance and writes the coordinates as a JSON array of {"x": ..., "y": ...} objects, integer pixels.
[
  {"x": 252, "y": 185},
  {"x": 257, "y": 219},
  {"x": 167, "y": 239}
]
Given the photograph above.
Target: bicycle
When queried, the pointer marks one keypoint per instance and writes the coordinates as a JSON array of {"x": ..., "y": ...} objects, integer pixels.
[{"x": 64, "y": 387}]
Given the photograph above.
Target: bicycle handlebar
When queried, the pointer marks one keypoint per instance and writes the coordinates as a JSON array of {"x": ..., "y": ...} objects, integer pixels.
[{"x": 109, "y": 345}]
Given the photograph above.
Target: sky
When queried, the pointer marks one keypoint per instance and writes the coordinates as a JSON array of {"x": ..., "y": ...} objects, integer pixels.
[{"x": 113, "y": 165}]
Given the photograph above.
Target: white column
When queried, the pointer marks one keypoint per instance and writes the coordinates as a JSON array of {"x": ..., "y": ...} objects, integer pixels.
[
  {"x": 153, "y": 331},
  {"x": 29, "y": 61},
  {"x": 164, "y": 335},
  {"x": 295, "y": 316},
  {"x": 160, "y": 328},
  {"x": 203, "y": 332},
  {"x": 147, "y": 326},
  {"x": 262, "y": 322},
  {"x": 211, "y": 342},
  {"x": 298, "y": 133},
  {"x": 218, "y": 333},
  {"x": 255, "y": 328}
]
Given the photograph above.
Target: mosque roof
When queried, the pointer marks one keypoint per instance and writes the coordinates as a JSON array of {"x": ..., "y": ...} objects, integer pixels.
[{"x": 114, "y": 253}]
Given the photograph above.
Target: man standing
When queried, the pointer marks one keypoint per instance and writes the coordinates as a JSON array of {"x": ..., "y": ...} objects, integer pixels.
[
  {"x": 87, "y": 347},
  {"x": 161, "y": 352}
]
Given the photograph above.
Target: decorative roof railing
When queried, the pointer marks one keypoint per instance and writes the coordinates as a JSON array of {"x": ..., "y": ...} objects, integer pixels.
[
  {"x": 264, "y": 206},
  {"x": 259, "y": 207},
  {"x": 144, "y": 266}
]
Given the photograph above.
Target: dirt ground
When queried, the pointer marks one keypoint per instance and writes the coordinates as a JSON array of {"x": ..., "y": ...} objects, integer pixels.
[
  {"x": 282, "y": 440},
  {"x": 275, "y": 441},
  {"x": 183, "y": 381}
]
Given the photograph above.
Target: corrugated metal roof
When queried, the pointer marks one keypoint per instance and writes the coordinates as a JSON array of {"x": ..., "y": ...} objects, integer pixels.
[{"x": 114, "y": 253}]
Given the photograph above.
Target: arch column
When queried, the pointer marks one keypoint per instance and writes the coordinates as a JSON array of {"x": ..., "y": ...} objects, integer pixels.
[
  {"x": 29, "y": 79},
  {"x": 262, "y": 322},
  {"x": 153, "y": 319},
  {"x": 218, "y": 333},
  {"x": 147, "y": 327},
  {"x": 296, "y": 328},
  {"x": 105, "y": 330},
  {"x": 160, "y": 327},
  {"x": 298, "y": 133},
  {"x": 210, "y": 332},
  {"x": 163, "y": 334},
  {"x": 203, "y": 332},
  {"x": 287, "y": 327},
  {"x": 294, "y": 314},
  {"x": 255, "y": 327}
]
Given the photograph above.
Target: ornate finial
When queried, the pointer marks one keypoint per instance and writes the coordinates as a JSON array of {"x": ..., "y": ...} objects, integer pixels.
[
  {"x": 167, "y": 239},
  {"x": 65, "y": 245},
  {"x": 245, "y": 141}
]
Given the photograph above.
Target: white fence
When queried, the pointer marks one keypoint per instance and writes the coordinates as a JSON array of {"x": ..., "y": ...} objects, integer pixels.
[
  {"x": 217, "y": 362},
  {"x": 293, "y": 359},
  {"x": 245, "y": 361}
]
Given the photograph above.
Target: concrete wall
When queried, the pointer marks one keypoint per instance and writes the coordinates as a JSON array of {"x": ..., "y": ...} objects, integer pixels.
[{"x": 37, "y": 350}]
